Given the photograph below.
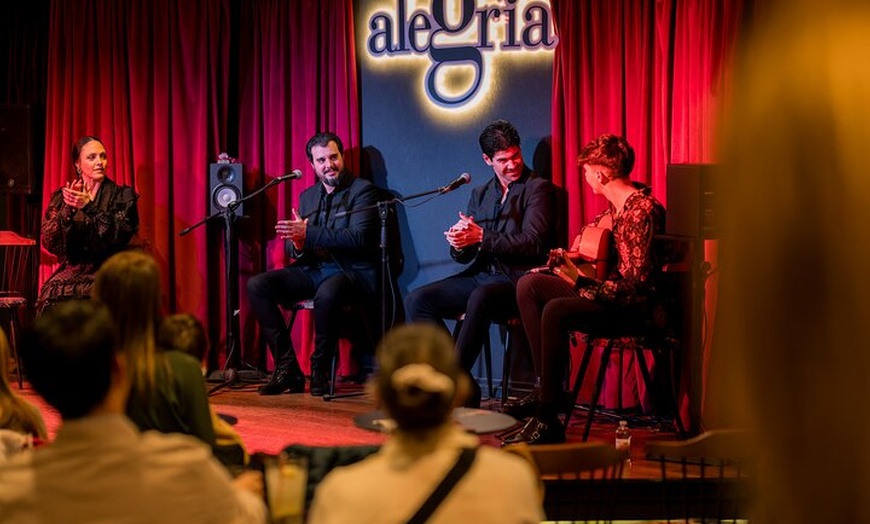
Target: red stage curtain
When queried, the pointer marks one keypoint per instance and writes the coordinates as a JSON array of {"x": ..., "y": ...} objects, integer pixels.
[
  {"x": 150, "y": 78},
  {"x": 657, "y": 73},
  {"x": 297, "y": 77},
  {"x": 159, "y": 83}
]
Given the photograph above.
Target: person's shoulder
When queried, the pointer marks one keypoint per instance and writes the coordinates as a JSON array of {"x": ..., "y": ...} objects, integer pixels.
[
  {"x": 369, "y": 466},
  {"x": 361, "y": 184},
  {"x": 502, "y": 463},
  {"x": 180, "y": 358},
  {"x": 123, "y": 190},
  {"x": 183, "y": 469},
  {"x": 17, "y": 481},
  {"x": 535, "y": 181},
  {"x": 173, "y": 448}
]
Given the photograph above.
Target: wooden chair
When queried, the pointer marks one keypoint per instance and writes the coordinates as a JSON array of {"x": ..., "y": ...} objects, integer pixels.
[
  {"x": 708, "y": 477},
  {"x": 17, "y": 279},
  {"x": 581, "y": 479}
]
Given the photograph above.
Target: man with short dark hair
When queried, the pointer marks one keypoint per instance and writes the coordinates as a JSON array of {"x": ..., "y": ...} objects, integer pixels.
[
  {"x": 100, "y": 467},
  {"x": 333, "y": 241},
  {"x": 508, "y": 228}
]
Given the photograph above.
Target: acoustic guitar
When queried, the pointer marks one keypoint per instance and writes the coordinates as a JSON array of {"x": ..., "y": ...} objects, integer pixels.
[{"x": 590, "y": 252}]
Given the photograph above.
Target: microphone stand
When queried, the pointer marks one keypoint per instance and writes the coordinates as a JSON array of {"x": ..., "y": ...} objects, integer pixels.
[
  {"x": 231, "y": 281},
  {"x": 384, "y": 210}
]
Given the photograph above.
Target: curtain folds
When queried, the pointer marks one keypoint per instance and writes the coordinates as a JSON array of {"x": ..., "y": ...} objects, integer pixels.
[
  {"x": 169, "y": 84},
  {"x": 150, "y": 79},
  {"x": 297, "y": 77},
  {"x": 655, "y": 72}
]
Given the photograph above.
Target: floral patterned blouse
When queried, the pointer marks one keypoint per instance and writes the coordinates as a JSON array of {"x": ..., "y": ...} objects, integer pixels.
[{"x": 632, "y": 279}]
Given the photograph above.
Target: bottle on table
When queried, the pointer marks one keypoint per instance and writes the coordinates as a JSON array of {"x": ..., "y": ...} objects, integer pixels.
[{"x": 623, "y": 439}]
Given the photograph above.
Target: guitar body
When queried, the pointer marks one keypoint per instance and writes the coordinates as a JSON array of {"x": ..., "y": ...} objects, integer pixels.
[{"x": 590, "y": 251}]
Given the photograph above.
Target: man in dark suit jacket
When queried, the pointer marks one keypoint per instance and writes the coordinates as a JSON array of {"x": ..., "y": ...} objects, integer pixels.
[
  {"x": 509, "y": 227},
  {"x": 333, "y": 241}
]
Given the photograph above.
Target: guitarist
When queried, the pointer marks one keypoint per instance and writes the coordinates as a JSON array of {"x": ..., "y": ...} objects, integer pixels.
[{"x": 558, "y": 298}]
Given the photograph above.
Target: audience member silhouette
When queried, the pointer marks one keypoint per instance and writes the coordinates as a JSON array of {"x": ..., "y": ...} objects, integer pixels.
[
  {"x": 20, "y": 421},
  {"x": 419, "y": 381},
  {"x": 100, "y": 467},
  {"x": 87, "y": 220},
  {"x": 169, "y": 391},
  {"x": 184, "y": 332}
]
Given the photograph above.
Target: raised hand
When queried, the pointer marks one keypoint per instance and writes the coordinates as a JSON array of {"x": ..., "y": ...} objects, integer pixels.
[
  {"x": 294, "y": 229},
  {"x": 74, "y": 194}
]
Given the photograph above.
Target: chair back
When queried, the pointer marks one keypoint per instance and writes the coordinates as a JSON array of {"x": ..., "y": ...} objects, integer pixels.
[
  {"x": 708, "y": 477},
  {"x": 17, "y": 271},
  {"x": 581, "y": 479}
]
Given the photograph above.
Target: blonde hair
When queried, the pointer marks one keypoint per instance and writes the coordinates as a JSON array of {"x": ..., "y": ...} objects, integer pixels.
[
  {"x": 15, "y": 412},
  {"x": 129, "y": 284},
  {"x": 795, "y": 210},
  {"x": 418, "y": 377}
]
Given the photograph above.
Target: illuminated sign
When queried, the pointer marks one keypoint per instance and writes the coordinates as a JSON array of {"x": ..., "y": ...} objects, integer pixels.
[{"x": 458, "y": 40}]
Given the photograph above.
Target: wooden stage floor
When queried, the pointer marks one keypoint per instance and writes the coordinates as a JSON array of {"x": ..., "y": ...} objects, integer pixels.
[{"x": 269, "y": 423}]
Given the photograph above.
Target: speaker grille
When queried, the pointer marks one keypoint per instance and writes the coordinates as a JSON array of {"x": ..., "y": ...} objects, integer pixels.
[{"x": 225, "y": 185}]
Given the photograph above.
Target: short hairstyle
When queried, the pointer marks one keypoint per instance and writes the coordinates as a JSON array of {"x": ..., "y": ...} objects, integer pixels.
[
  {"x": 498, "y": 136},
  {"x": 417, "y": 375},
  {"x": 69, "y": 353},
  {"x": 183, "y": 332},
  {"x": 322, "y": 140},
  {"x": 611, "y": 151}
]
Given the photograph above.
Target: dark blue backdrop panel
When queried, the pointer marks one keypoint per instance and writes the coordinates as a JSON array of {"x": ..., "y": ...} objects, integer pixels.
[{"x": 412, "y": 145}]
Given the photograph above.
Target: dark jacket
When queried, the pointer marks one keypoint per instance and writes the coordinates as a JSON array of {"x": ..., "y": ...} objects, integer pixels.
[
  {"x": 349, "y": 237},
  {"x": 518, "y": 234}
]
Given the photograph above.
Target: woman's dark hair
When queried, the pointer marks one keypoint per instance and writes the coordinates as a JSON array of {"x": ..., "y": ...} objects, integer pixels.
[{"x": 77, "y": 147}]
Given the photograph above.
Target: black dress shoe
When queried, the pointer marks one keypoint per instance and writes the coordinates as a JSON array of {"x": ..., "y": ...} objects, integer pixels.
[
  {"x": 538, "y": 431},
  {"x": 282, "y": 381},
  {"x": 319, "y": 384},
  {"x": 524, "y": 406}
]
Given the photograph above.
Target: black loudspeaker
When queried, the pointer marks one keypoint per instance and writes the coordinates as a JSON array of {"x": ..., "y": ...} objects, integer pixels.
[
  {"x": 21, "y": 149},
  {"x": 225, "y": 185},
  {"x": 691, "y": 200}
]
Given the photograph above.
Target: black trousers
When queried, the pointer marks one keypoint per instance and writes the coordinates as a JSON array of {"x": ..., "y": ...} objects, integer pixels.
[
  {"x": 550, "y": 309},
  {"x": 332, "y": 290},
  {"x": 484, "y": 297}
]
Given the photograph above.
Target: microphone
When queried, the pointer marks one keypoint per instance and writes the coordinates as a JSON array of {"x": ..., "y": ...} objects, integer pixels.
[
  {"x": 294, "y": 175},
  {"x": 463, "y": 179}
]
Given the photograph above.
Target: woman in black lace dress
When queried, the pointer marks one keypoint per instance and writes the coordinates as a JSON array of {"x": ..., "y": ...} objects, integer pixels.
[{"x": 87, "y": 221}]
